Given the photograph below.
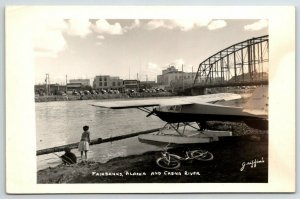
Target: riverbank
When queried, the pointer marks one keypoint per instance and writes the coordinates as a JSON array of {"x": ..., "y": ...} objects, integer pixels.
[
  {"x": 246, "y": 145},
  {"x": 236, "y": 159},
  {"x": 99, "y": 96}
]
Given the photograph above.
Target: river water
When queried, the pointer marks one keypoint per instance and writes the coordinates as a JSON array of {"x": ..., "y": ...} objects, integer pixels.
[{"x": 60, "y": 123}]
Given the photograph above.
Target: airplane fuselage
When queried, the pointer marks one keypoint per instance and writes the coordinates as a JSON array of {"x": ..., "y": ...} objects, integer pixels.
[{"x": 202, "y": 112}]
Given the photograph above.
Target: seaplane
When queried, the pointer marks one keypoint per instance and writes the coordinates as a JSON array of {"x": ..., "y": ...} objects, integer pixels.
[{"x": 193, "y": 112}]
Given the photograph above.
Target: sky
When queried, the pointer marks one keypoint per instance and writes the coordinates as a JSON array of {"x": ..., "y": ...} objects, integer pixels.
[{"x": 131, "y": 48}]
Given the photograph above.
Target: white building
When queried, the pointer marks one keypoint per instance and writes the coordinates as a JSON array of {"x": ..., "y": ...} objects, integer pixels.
[
  {"x": 171, "y": 77},
  {"x": 107, "y": 82}
]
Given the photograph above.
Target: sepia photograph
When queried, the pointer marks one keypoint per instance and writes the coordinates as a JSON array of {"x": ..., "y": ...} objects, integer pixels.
[
  {"x": 160, "y": 100},
  {"x": 151, "y": 100}
]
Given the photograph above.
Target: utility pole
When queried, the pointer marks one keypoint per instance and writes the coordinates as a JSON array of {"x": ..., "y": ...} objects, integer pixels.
[
  {"x": 182, "y": 79},
  {"x": 66, "y": 83},
  {"x": 46, "y": 84},
  {"x": 137, "y": 81},
  {"x": 49, "y": 87}
]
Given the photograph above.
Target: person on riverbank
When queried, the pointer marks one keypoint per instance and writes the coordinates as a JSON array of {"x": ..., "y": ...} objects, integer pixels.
[
  {"x": 69, "y": 157},
  {"x": 84, "y": 144}
]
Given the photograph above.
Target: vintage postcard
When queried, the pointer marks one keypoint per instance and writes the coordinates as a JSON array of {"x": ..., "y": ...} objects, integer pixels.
[{"x": 155, "y": 96}]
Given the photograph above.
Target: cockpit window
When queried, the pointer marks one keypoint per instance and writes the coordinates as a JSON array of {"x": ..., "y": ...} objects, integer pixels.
[
  {"x": 175, "y": 108},
  {"x": 178, "y": 108}
]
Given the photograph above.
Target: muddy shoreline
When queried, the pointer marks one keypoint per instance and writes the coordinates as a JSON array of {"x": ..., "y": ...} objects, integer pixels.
[{"x": 235, "y": 160}]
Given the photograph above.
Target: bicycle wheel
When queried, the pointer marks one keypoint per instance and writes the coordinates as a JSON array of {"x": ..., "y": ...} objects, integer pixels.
[
  {"x": 202, "y": 155},
  {"x": 165, "y": 164}
]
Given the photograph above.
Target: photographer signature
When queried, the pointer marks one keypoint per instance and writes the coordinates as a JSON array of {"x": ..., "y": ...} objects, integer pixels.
[{"x": 252, "y": 163}]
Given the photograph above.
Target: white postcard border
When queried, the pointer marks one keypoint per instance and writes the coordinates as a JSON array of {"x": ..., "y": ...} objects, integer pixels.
[{"x": 20, "y": 115}]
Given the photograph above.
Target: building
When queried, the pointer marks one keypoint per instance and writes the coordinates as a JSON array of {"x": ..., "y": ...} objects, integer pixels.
[
  {"x": 147, "y": 84},
  {"x": 49, "y": 89},
  {"x": 171, "y": 78},
  {"x": 108, "y": 83},
  {"x": 79, "y": 85},
  {"x": 170, "y": 69},
  {"x": 131, "y": 85},
  {"x": 83, "y": 82},
  {"x": 75, "y": 87}
]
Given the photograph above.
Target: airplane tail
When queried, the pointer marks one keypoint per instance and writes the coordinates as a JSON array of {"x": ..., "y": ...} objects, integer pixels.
[
  {"x": 258, "y": 105},
  {"x": 258, "y": 102}
]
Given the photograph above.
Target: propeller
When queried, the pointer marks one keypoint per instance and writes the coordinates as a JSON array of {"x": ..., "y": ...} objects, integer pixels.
[{"x": 152, "y": 112}]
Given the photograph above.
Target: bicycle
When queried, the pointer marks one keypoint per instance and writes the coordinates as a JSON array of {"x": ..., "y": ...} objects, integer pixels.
[{"x": 173, "y": 161}]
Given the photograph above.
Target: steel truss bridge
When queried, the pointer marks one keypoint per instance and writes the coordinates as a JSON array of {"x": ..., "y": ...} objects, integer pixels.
[{"x": 242, "y": 64}]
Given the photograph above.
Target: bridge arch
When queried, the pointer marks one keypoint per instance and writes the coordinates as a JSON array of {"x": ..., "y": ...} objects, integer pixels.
[{"x": 244, "y": 63}]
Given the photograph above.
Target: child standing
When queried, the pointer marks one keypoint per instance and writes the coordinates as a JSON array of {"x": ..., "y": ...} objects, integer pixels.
[{"x": 84, "y": 142}]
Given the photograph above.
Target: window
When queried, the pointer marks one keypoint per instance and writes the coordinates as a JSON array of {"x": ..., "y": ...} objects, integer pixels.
[
  {"x": 100, "y": 84},
  {"x": 105, "y": 83},
  {"x": 175, "y": 108},
  {"x": 119, "y": 83},
  {"x": 100, "y": 79},
  {"x": 171, "y": 108},
  {"x": 114, "y": 83},
  {"x": 105, "y": 79},
  {"x": 178, "y": 108}
]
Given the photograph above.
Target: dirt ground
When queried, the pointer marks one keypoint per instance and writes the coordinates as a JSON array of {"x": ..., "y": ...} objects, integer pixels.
[{"x": 242, "y": 158}]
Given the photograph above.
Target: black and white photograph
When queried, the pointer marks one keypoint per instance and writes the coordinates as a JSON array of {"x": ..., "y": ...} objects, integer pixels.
[
  {"x": 152, "y": 100},
  {"x": 159, "y": 100}
]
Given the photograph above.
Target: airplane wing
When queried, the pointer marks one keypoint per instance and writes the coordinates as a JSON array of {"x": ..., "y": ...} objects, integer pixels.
[{"x": 120, "y": 104}]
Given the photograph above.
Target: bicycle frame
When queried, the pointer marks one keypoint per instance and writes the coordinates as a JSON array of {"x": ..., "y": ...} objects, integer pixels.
[
  {"x": 167, "y": 155},
  {"x": 172, "y": 161}
]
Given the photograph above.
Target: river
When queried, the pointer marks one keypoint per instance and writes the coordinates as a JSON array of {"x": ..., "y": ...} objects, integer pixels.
[{"x": 60, "y": 123}]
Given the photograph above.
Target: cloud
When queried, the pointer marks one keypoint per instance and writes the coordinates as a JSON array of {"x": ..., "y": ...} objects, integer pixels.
[
  {"x": 102, "y": 26},
  {"x": 216, "y": 24},
  {"x": 79, "y": 27},
  {"x": 98, "y": 43},
  {"x": 48, "y": 33},
  {"x": 177, "y": 62},
  {"x": 152, "y": 66},
  {"x": 182, "y": 24},
  {"x": 50, "y": 43},
  {"x": 154, "y": 24},
  {"x": 136, "y": 23},
  {"x": 258, "y": 25},
  {"x": 48, "y": 39},
  {"x": 151, "y": 70},
  {"x": 100, "y": 37}
]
